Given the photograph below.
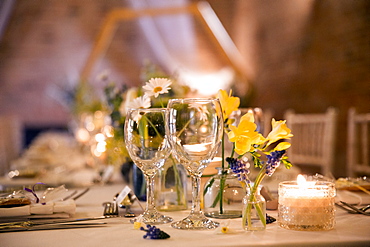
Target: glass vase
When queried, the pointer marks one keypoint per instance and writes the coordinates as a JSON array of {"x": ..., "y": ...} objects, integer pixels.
[
  {"x": 254, "y": 211},
  {"x": 172, "y": 186},
  {"x": 223, "y": 195},
  {"x": 138, "y": 183}
]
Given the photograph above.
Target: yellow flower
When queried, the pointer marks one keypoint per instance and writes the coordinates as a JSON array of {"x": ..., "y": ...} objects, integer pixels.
[
  {"x": 249, "y": 116},
  {"x": 224, "y": 229},
  {"x": 279, "y": 131},
  {"x": 137, "y": 225},
  {"x": 228, "y": 103},
  {"x": 245, "y": 135},
  {"x": 282, "y": 146}
]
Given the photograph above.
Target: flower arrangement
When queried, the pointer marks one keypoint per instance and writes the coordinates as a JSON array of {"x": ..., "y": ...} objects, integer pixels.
[
  {"x": 155, "y": 92},
  {"x": 119, "y": 99},
  {"x": 247, "y": 140}
]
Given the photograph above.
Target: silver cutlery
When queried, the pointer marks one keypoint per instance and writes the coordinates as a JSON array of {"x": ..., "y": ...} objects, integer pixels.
[
  {"x": 74, "y": 196},
  {"x": 352, "y": 209},
  {"x": 50, "y": 224},
  {"x": 110, "y": 209},
  {"x": 126, "y": 203},
  {"x": 70, "y": 196}
]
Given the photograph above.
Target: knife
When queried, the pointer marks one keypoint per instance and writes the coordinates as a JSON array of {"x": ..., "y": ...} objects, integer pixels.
[
  {"x": 48, "y": 222},
  {"x": 17, "y": 228}
]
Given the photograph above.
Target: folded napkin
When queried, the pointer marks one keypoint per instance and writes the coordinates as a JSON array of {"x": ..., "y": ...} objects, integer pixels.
[
  {"x": 68, "y": 206},
  {"x": 47, "y": 208},
  {"x": 15, "y": 211}
]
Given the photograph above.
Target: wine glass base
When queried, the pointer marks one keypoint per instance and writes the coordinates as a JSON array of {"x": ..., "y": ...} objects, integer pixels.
[
  {"x": 152, "y": 218},
  {"x": 195, "y": 223}
]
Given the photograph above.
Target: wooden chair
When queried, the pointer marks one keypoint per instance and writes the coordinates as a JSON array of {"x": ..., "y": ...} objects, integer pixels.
[
  {"x": 313, "y": 142},
  {"x": 358, "y": 144},
  {"x": 10, "y": 141}
]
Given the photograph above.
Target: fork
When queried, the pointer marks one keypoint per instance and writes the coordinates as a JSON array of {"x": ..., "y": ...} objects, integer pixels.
[
  {"x": 353, "y": 210},
  {"x": 111, "y": 208},
  {"x": 74, "y": 196}
]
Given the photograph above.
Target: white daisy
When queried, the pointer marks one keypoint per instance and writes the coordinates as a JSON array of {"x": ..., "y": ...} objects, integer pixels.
[
  {"x": 128, "y": 96},
  {"x": 202, "y": 110},
  {"x": 157, "y": 86},
  {"x": 140, "y": 102}
]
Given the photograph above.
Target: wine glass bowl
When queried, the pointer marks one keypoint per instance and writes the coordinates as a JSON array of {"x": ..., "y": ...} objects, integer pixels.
[
  {"x": 195, "y": 130},
  {"x": 148, "y": 147}
]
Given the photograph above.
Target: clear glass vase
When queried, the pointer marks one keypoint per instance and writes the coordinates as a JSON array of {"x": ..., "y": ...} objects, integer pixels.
[
  {"x": 254, "y": 211},
  {"x": 223, "y": 195},
  {"x": 172, "y": 186},
  {"x": 138, "y": 183}
]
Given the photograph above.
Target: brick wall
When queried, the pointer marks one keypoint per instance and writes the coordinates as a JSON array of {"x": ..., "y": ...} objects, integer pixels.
[{"x": 309, "y": 55}]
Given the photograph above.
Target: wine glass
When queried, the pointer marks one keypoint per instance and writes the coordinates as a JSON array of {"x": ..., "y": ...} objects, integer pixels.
[
  {"x": 195, "y": 130},
  {"x": 147, "y": 144}
]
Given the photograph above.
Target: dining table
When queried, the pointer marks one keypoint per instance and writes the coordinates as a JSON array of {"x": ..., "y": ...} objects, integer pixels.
[{"x": 350, "y": 229}]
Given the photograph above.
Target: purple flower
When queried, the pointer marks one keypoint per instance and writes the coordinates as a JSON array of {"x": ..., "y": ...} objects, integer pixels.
[
  {"x": 154, "y": 233},
  {"x": 273, "y": 161},
  {"x": 240, "y": 168}
]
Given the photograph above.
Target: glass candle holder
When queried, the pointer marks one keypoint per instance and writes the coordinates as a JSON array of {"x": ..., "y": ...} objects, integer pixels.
[{"x": 308, "y": 208}]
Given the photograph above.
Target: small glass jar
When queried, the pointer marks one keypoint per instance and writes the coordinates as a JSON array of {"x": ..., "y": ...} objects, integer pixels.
[
  {"x": 309, "y": 208},
  {"x": 223, "y": 195},
  {"x": 254, "y": 211}
]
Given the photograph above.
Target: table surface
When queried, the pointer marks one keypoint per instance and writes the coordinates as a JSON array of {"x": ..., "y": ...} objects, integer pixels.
[{"x": 350, "y": 230}]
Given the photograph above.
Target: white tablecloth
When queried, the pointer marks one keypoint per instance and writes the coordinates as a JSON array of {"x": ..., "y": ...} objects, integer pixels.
[{"x": 350, "y": 230}]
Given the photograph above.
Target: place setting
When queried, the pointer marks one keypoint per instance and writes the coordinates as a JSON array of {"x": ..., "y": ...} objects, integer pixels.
[{"x": 164, "y": 136}]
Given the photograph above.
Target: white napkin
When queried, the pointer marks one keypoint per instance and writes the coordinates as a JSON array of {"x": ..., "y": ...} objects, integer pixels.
[
  {"x": 42, "y": 208},
  {"x": 68, "y": 206},
  {"x": 16, "y": 211}
]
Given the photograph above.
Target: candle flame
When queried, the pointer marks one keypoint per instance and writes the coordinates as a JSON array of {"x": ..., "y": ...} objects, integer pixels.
[{"x": 301, "y": 181}]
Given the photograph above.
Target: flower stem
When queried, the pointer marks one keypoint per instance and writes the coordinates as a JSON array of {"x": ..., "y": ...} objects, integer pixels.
[
  {"x": 161, "y": 102},
  {"x": 247, "y": 217},
  {"x": 154, "y": 127},
  {"x": 222, "y": 185},
  {"x": 232, "y": 151},
  {"x": 178, "y": 184},
  {"x": 222, "y": 182}
]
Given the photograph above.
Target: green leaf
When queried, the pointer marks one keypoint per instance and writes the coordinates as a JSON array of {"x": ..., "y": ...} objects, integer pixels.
[
  {"x": 211, "y": 181},
  {"x": 286, "y": 162}
]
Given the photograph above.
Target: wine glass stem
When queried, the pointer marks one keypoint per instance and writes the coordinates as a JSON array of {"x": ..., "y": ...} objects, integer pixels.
[
  {"x": 149, "y": 192},
  {"x": 195, "y": 208}
]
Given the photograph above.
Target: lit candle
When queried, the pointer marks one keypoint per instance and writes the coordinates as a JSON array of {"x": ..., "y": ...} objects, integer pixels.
[
  {"x": 201, "y": 149},
  {"x": 306, "y": 205}
]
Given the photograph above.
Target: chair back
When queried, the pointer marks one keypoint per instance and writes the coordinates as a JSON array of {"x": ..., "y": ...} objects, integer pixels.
[
  {"x": 313, "y": 142},
  {"x": 358, "y": 144},
  {"x": 11, "y": 139}
]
